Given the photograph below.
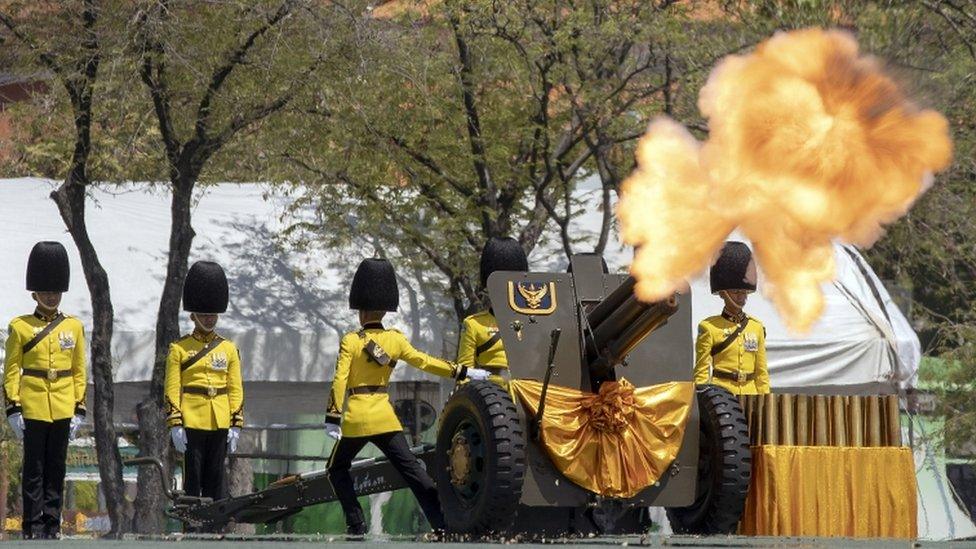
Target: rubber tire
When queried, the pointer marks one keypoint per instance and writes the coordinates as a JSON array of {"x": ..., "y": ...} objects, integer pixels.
[
  {"x": 721, "y": 492},
  {"x": 488, "y": 407}
]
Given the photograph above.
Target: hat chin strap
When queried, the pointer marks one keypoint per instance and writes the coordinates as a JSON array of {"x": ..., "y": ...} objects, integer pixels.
[
  {"x": 730, "y": 303},
  {"x": 197, "y": 324}
]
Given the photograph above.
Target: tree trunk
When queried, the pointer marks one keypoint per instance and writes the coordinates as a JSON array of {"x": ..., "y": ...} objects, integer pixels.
[
  {"x": 153, "y": 434},
  {"x": 150, "y": 498},
  {"x": 70, "y": 199},
  {"x": 240, "y": 481},
  {"x": 4, "y": 486}
]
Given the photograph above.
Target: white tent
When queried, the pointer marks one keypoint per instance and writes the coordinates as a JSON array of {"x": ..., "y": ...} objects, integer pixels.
[{"x": 288, "y": 308}]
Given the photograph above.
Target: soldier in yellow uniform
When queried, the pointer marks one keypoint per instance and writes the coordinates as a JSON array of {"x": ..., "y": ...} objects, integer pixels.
[
  {"x": 204, "y": 391},
  {"x": 731, "y": 347},
  {"x": 363, "y": 368},
  {"x": 44, "y": 387},
  {"x": 480, "y": 342}
]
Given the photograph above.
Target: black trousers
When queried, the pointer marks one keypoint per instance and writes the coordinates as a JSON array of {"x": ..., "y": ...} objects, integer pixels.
[
  {"x": 45, "y": 454},
  {"x": 203, "y": 463},
  {"x": 394, "y": 446}
]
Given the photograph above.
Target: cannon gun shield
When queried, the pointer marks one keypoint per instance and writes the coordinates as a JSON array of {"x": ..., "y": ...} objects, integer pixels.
[
  {"x": 662, "y": 355},
  {"x": 607, "y": 334}
]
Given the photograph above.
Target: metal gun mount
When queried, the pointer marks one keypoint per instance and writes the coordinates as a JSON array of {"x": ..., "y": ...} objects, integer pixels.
[{"x": 282, "y": 498}]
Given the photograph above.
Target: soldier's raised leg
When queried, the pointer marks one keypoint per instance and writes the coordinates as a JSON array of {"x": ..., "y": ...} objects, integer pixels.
[
  {"x": 340, "y": 462},
  {"x": 395, "y": 447}
]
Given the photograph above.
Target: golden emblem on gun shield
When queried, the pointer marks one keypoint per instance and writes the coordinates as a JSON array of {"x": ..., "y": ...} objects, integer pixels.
[{"x": 532, "y": 298}]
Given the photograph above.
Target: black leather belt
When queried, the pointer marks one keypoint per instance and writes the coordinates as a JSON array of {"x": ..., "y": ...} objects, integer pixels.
[
  {"x": 737, "y": 376},
  {"x": 46, "y": 373},
  {"x": 496, "y": 370},
  {"x": 367, "y": 389},
  {"x": 205, "y": 391}
]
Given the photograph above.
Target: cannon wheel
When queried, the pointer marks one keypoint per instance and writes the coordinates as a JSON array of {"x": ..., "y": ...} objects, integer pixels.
[
  {"x": 481, "y": 453},
  {"x": 724, "y": 467}
]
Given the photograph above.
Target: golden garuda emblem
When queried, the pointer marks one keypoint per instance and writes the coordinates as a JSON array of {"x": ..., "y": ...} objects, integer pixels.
[{"x": 532, "y": 298}]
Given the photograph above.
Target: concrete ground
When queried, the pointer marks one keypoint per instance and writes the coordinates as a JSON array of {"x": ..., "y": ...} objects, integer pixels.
[{"x": 309, "y": 542}]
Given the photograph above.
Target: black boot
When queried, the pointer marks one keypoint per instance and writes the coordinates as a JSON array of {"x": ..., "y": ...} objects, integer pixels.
[
  {"x": 34, "y": 531},
  {"x": 356, "y": 532},
  {"x": 52, "y": 529}
]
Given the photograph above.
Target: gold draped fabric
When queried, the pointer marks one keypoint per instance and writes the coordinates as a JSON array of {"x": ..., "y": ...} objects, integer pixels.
[
  {"x": 831, "y": 491},
  {"x": 614, "y": 443}
]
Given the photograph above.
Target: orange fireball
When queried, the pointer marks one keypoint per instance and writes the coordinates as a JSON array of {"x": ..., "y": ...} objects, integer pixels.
[{"x": 810, "y": 141}]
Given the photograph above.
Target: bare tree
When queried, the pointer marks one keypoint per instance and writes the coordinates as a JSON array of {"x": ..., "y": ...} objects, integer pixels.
[
  {"x": 72, "y": 55},
  {"x": 203, "y": 98}
]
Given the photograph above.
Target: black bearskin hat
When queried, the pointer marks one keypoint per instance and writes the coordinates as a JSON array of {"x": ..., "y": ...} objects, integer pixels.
[
  {"x": 734, "y": 269},
  {"x": 205, "y": 289},
  {"x": 502, "y": 254},
  {"x": 47, "y": 268},
  {"x": 374, "y": 288}
]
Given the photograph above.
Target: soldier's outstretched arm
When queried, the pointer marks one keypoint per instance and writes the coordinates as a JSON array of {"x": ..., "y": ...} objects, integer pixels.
[
  {"x": 422, "y": 361},
  {"x": 703, "y": 354},
  {"x": 12, "y": 363}
]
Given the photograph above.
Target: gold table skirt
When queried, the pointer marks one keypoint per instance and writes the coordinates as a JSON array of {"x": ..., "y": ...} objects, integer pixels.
[{"x": 831, "y": 491}]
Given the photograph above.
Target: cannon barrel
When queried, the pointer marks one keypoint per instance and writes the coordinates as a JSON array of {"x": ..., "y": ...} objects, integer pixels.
[{"x": 619, "y": 323}]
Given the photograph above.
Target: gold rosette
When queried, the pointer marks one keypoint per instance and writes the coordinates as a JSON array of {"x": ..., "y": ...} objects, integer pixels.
[{"x": 614, "y": 443}]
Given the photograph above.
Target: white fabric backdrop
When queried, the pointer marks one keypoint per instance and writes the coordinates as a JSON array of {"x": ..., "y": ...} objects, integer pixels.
[{"x": 288, "y": 309}]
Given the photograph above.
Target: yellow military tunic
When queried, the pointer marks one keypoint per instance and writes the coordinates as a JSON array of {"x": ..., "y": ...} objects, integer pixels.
[
  {"x": 476, "y": 330},
  {"x": 372, "y": 414},
  {"x": 744, "y": 358},
  {"x": 63, "y": 350},
  {"x": 220, "y": 369}
]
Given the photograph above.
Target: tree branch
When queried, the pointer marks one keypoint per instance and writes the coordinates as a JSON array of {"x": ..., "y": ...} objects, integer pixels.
[
  {"x": 80, "y": 91},
  {"x": 255, "y": 114},
  {"x": 955, "y": 27},
  {"x": 152, "y": 72},
  {"x": 48, "y": 58},
  {"x": 479, "y": 160},
  {"x": 425, "y": 161},
  {"x": 234, "y": 59}
]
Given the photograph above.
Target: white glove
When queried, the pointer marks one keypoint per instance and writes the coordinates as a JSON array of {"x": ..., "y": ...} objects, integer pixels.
[
  {"x": 477, "y": 374},
  {"x": 333, "y": 430},
  {"x": 178, "y": 434},
  {"x": 16, "y": 422},
  {"x": 233, "y": 435},
  {"x": 75, "y": 424}
]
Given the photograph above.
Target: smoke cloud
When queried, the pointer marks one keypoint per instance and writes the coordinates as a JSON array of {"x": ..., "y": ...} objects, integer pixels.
[{"x": 809, "y": 141}]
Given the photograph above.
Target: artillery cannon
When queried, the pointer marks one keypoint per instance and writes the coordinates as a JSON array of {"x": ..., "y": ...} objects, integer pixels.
[
  {"x": 508, "y": 482},
  {"x": 578, "y": 330}
]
